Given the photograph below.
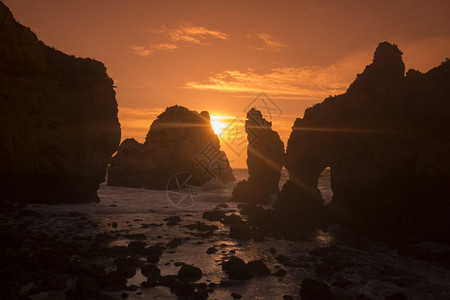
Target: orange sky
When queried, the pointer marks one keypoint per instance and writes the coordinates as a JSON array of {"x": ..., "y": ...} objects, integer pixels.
[{"x": 219, "y": 55}]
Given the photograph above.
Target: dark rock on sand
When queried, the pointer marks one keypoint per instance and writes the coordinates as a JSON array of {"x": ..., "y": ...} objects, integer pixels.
[
  {"x": 231, "y": 219},
  {"x": 387, "y": 144},
  {"x": 190, "y": 273},
  {"x": 137, "y": 247},
  {"x": 313, "y": 289},
  {"x": 214, "y": 215},
  {"x": 200, "y": 294},
  {"x": 265, "y": 159},
  {"x": 236, "y": 296},
  {"x": 174, "y": 243},
  {"x": 179, "y": 140},
  {"x": 259, "y": 267},
  {"x": 126, "y": 269},
  {"x": 182, "y": 289},
  {"x": 236, "y": 268},
  {"x": 200, "y": 226},
  {"x": 211, "y": 250},
  {"x": 151, "y": 271},
  {"x": 58, "y": 120}
]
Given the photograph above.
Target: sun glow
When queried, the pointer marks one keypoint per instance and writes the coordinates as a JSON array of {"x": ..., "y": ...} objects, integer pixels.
[{"x": 218, "y": 124}]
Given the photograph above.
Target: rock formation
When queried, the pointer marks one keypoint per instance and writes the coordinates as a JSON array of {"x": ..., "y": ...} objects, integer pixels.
[
  {"x": 58, "y": 120},
  {"x": 265, "y": 159},
  {"x": 179, "y": 141},
  {"x": 387, "y": 142}
]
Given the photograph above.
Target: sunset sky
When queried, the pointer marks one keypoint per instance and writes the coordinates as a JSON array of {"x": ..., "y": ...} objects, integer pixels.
[{"x": 219, "y": 55}]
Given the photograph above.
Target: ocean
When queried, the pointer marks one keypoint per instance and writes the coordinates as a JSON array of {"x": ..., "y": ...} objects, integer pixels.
[{"x": 374, "y": 269}]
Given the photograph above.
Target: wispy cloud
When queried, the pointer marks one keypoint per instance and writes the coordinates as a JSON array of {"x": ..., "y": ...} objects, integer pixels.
[
  {"x": 150, "y": 49},
  {"x": 269, "y": 43},
  {"x": 305, "y": 82},
  {"x": 174, "y": 38},
  {"x": 191, "y": 34}
]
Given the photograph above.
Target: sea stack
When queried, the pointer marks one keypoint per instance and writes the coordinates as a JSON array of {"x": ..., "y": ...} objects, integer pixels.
[
  {"x": 265, "y": 159},
  {"x": 387, "y": 143},
  {"x": 58, "y": 120},
  {"x": 179, "y": 141}
]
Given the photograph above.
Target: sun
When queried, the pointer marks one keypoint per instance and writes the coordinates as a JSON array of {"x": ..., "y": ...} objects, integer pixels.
[{"x": 217, "y": 124}]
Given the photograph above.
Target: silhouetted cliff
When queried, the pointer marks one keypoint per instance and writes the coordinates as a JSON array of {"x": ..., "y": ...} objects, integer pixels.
[
  {"x": 265, "y": 159},
  {"x": 387, "y": 142},
  {"x": 179, "y": 140},
  {"x": 58, "y": 120}
]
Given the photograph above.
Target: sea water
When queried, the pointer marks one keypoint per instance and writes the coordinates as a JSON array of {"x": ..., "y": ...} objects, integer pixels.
[{"x": 374, "y": 268}]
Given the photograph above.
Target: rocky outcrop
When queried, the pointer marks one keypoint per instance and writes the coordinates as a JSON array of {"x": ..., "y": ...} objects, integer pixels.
[
  {"x": 180, "y": 142},
  {"x": 387, "y": 142},
  {"x": 265, "y": 159},
  {"x": 58, "y": 120}
]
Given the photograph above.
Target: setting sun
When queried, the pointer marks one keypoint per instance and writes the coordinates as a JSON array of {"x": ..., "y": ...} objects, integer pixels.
[{"x": 218, "y": 124}]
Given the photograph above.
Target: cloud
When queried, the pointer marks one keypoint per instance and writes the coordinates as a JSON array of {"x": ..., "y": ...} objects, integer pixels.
[
  {"x": 192, "y": 34},
  {"x": 268, "y": 42},
  {"x": 174, "y": 38},
  {"x": 150, "y": 49},
  {"x": 304, "y": 82}
]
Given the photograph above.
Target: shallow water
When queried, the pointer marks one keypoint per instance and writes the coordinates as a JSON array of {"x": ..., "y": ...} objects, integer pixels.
[{"x": 374, "y": 268}]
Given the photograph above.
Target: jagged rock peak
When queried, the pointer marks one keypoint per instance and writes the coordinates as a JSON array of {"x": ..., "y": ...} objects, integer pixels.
[
  {"x": 386, "y": 70},
  {"x": 265, "y": 159}
]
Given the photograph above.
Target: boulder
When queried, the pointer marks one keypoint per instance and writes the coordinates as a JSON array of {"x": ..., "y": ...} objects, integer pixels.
[
  {"x": 58, "y": 120},
  {"x": 180, "y": 143},
  {"x": 265, "y": 159},
  {"x": 387, "y": 144},
  {"x": 190, "y": 273}
]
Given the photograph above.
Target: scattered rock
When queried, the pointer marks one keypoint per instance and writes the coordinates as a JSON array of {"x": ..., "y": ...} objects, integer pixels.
[
  {"x": 231, "y": 219},
  {"x": 214, "y": 215},
  {"x": 183, "y": 289},
  {"x": 211, "y": 250},
  {"x": 151, "y": 271},
  {"x": 200, "y": 226},
  {"x": 259, "y": 267},
  {"x": 174, "y": 243},
  {"x": 236, "y": 296},
  {"x": 126, "y": 269},
  {"x": 190, "y": 273},
  {"x": 236, "y": 268},
  {"x": 201, "y": 294},
  {"x": 172, "y": 221},
  {"x": 137, "y": 247}
]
